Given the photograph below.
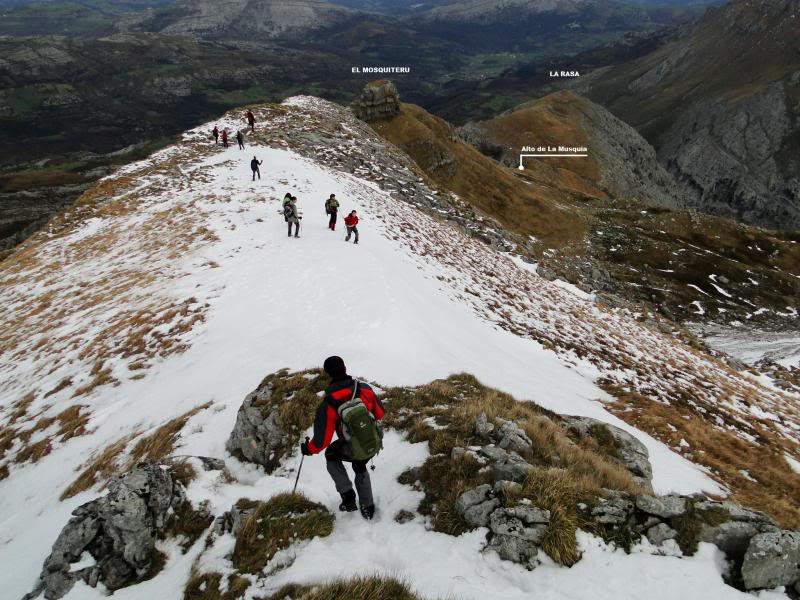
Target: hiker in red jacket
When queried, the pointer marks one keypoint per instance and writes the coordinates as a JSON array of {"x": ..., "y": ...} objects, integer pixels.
[
  {"x": 343, "y": 390},
  {"x": 215, "y": 133},
  {"x": 224, "y": 138},
  {"x": 351, "y": 222},
  {"x": 251, "y": 120}
]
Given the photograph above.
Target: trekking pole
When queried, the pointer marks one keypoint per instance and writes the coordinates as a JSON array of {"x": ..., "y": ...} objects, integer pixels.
[{"x": 300, "y": 468}]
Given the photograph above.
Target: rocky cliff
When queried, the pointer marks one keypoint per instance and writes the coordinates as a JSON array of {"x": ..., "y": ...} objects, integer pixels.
[{"x": 721, "y": 104}]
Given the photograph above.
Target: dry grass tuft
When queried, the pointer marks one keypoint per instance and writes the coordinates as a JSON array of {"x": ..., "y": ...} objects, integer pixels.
[
  {"x": 275, "y": 525},
  {"x": 567, "y": 474},
  {"x": 772, "y": 486},
  {"x": 161, "y": 442},
  {"x": 188, "y": 524},
  {"x": 356, "y": 588},
  {"x": 101, "y": 468},
  {"x": 206, "y": 586}
]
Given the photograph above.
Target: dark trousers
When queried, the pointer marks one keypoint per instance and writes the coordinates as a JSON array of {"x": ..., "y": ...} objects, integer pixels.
[
  {"x": 256, "y": 172},
  {"x": 339, "y": 452},
  {"x": 296, "y": 224},
  {"x": 332, "y": 222},
  {"x": 224, "y": 143},
  {"x": 351, "y": 230},
  {"x": 241, "y": 144}
]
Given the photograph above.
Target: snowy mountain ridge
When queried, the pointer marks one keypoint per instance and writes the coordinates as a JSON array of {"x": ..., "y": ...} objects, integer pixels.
[{"x": 171, "y": 289}]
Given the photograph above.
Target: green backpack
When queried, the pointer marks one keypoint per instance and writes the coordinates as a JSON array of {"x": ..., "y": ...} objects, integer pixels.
[{"x": 359, "y": 427}]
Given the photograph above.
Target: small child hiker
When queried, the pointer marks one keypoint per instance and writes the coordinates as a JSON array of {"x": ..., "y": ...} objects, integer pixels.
[{"x": 351, "y": 222}]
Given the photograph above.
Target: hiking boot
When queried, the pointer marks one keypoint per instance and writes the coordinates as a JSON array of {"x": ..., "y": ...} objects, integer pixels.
[
  {"x": 348, "y": 502},
  {"x": 296, "y": 235},
  {"x": 368, "y": 512}
]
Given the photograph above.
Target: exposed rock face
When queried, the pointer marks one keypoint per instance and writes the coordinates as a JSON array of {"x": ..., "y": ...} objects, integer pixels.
[
  {"x": 629, "y": 451},
  {"x": 118, "y": 531},
  {"x": 729, "y": 153},
  {"x": 728, "y": 133},
  {"x": 517, "y": 533},
  {"x": 508, "y": 466},
  {"x": 772, "y": 559},
  {"x": 476, "y": 505},
  {"x": 734, "y": 533},
  {"x": 378, "y": 100},
  {"x": 663, "y": 506},
  {"x": 256, "y": 436}
]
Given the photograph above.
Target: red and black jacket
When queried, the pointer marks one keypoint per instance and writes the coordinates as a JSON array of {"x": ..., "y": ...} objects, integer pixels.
[
  {"x": 351, "y": 220},
  {"x": 327, "y": 419}
]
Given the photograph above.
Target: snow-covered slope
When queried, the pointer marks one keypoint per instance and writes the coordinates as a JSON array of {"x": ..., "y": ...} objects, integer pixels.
[{"x": 174, "y": 286}]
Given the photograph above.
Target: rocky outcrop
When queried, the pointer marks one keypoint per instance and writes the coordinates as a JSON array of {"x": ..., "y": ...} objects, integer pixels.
[
  {"x": 772, "y": 559},
  {"x": 378, "y": 100},
  {"x": 619, "y": 444},
  {"x": 115, "y": 535},
  {"x": 506, "y": 466},
  {"x": 257, "y": 434}
]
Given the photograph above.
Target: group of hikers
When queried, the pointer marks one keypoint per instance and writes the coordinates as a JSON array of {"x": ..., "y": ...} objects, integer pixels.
[
  {"x": 351, "y": 409},
  {"x": 217, "y": 134},
  {"x": 293, "y": 216}
]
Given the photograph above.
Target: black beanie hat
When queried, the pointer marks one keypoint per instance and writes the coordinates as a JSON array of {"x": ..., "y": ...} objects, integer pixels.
[{"x": 334, "y": 366}]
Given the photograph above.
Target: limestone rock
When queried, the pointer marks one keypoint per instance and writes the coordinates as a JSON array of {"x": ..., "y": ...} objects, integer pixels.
[
  {"x": 513, "y": 437},
  {"x": 665, "y": 507},
  {"x": 378, "y": 100},
  {"x": 771, "y": 560},
  {"x": 614, "y": 510},
  {"x": 483, "y": 427},
  {"x": 658, "y": 534},
  {"x": 505, "y": 465},
  {"x": 629, "y": 451},
  {"x": 476, "y": 505},
  {"x": 517, "y": 533},
  {"x": 256, "y": 436},
  {"x": 118, "y": 531}
]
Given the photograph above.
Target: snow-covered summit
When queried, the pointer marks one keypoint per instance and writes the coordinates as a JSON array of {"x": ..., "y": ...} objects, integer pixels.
[{"x": 172, "y": 288}]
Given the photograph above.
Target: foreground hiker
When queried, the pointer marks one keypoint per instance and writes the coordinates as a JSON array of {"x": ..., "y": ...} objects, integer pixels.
[
  {"x": 332, "y": 209},
  {"x": 351, "y": 409},
  {"x": 224, "y": 138},
  {"x": 292, "y": 216},
  {"x": 240, "y": 140},
  {"x": 351, "y": 222},
  {"x": 254, "y": 164},
  {"x": 215, "y": 133},
  {"x": 251, "y": 120}
]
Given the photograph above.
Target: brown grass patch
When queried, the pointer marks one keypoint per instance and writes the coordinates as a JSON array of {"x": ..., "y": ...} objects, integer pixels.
[
  {"x": 102, "y": 467},
  {"x": 568, "y": 473},
  {"x": 206, "y": 586},
  {"x": 71, "y": 422},
  {"x": 776, "y": 487},
  {"x": 275, "y": 525},
  {"x": 357, "y": 588},
  {"x": 160, "y": 443}
]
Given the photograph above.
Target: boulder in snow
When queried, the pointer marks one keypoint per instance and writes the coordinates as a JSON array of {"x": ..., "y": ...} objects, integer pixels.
[
  {"x": 658, "y": 534},
  {"x": 476, "y": 505},
  {"x": 118, "y": 531},
  {"x": 772, "y": 559},
  {"x": 257, "y": 436},
  {"x": 517, "y": 533}
]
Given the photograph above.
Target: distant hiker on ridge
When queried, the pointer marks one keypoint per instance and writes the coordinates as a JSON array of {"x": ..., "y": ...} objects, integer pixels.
[
  {"x": 224, "y": 138},
  {"x": 351, "y": 409},
  {"x": 251, "y": 120},
  {"x": 292, "y": 216},
  {"x": 240, "y": 139},
  {"x": 215, "y": 133},
  {"x": 254, "y": 164},
  {"x": 351, "y": 222},
  {"x": 332, "y": 209}
]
